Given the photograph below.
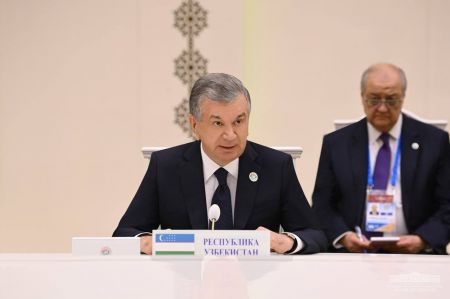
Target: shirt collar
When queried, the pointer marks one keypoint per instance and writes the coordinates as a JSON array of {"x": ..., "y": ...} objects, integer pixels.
[
  {"x": 395, "y": 132},
  {"x": 209, "y": 166}
]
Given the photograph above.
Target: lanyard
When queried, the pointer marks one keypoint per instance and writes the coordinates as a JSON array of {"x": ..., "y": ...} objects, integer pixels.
[{"x": 394, "y": 168}]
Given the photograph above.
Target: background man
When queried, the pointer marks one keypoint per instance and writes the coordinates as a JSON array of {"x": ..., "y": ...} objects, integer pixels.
[
  {"x": 422, "y": 184},
  {"x": 258, "y": 186}
]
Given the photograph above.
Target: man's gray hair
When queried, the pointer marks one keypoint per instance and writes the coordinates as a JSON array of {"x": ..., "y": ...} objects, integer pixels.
[
  {"x": 372, "y": 68},
  {"x": 216, "y": 87}
]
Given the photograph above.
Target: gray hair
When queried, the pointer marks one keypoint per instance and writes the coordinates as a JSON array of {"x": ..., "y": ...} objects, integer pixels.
[
  {"x": 372, "y": 68},
  {"x": 216, "y": 87}
]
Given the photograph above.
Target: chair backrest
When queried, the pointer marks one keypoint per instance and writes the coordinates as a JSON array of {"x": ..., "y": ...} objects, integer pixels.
[
  {"x": 440, "y": 123},
  {"x": 294, "y": 151}
]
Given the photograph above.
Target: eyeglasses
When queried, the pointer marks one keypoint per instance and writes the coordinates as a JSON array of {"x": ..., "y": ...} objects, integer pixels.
[{"x": 376, "y": 102}]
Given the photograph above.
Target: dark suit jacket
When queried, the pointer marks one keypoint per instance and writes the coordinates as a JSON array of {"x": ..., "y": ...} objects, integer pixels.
[
  {"x": 172, "y": 194},
  {"x": 340, "y": 189}
]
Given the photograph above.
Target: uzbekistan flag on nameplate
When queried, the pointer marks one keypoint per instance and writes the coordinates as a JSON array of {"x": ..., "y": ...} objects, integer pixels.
[{"x": 174, "y": 244}]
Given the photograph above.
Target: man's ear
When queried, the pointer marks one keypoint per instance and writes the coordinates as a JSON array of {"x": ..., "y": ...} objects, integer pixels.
[{"x": 193, "y": 123}]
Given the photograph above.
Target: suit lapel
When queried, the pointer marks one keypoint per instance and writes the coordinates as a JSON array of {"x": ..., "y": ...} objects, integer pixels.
[
  {"x": 409, "y": 159},
  {"x": 246, "y": 189},
  {"x": 358, "y": 158},
  {"x": 193, "y": 186}
]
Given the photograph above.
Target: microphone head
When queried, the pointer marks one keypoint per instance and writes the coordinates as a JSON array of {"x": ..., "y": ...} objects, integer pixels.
[{"x": 214, "y": 213}]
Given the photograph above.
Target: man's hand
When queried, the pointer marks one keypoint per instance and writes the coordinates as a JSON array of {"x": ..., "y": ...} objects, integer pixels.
[
  {"x": 280, "y": 243},
  {"x": 406, "y": 244},
  {"x": 353, "y": 244},
  {"x": 146, "y": 244}
]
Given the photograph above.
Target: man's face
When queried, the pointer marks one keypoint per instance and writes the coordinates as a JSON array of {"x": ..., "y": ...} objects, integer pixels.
[
  {"x": 383, "y": 84},
  {"x": 222, "y": 128}
]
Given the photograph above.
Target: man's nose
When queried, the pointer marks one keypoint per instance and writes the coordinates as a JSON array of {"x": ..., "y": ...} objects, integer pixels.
[
  {"x": 382, "y": 107},
  {"x": 229, "y": 133}
]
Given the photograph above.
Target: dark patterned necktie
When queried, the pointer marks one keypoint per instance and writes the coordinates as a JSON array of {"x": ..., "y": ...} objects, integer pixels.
[
  {"x": 222, "y": 198},
  {"x": 382, "y": 164}
]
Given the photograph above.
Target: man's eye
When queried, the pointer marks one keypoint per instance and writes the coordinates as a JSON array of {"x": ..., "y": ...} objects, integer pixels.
[
  {"x": 238, "y": 122},
  {"x": 373, "y": 102},
  {"x": 217, "y": 123},
  {"x": 392, "y": 99},
  {"x": 374, "y": 98}
]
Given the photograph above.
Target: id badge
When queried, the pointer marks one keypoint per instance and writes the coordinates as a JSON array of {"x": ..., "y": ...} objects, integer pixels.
[{"x": 380, "y": 211}]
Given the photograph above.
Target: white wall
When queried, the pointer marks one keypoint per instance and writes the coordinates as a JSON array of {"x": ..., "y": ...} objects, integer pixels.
[{"x": 84, "y": 84}]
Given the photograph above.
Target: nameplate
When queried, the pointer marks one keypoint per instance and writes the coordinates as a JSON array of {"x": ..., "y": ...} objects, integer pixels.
[
  {"x": 248, "y": 243},
  {"x": 106, "y": 246}
]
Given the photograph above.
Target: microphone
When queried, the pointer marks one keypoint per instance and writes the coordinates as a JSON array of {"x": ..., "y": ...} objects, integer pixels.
[{"x": 214, "y": 214}]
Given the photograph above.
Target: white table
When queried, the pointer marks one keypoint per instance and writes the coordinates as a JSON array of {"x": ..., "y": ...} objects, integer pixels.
[{"x": 325, "y": 275}]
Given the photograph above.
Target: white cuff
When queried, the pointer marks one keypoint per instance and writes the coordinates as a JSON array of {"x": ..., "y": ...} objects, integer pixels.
[
  {"x": 143, "y": 234},
  {"x": 335, "y": 242},
  {"x": 299, "y": 242}
]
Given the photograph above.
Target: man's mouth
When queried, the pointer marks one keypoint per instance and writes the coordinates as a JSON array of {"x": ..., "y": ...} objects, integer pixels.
[{"x": 227, "y": 147}]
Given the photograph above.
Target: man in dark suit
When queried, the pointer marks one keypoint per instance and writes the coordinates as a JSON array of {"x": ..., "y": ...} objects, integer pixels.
[
  {"x": 422, "y": 195},
  {"x": 261, "y": 188}
]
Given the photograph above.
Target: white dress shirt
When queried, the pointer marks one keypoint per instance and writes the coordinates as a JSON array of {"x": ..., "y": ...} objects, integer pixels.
[
  {"x": 374, "y": 146},
  {"x": 211, "y": 182}
]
